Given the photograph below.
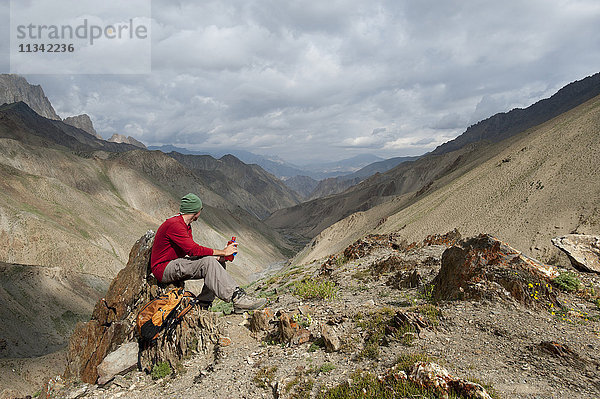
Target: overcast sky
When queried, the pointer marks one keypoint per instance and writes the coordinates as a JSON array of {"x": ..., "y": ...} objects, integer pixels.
[{"x": 325, "y": 80}]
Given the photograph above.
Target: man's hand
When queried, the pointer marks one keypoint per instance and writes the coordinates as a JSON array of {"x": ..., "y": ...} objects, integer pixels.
[
  {"x": 227, "y": 251},
  {"x": 230, "y": 249}
]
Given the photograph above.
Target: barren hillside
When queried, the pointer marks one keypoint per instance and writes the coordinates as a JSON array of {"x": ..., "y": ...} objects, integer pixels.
[
  {"x": 310, "y": 218},
  {"x": 540, "y": 184}
]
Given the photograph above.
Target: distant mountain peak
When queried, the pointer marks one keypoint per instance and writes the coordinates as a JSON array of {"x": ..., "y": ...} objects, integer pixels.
[
  {"x": 120, "y": 138},
  {"x": 84, "y": 123},
  {"x": 15, "y": 88}
]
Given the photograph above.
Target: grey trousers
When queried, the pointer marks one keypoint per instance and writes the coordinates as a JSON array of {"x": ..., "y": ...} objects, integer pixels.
[{"x": 217, "y": 282}]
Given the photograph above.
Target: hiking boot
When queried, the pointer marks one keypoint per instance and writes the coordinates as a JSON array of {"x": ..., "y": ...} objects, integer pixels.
[{"x": 243, "y": 302}]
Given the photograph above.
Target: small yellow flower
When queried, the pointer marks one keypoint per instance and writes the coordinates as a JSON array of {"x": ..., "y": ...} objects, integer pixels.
[
  {"x": 530, "y": 285},
  {"x": 552, "y": 313}
]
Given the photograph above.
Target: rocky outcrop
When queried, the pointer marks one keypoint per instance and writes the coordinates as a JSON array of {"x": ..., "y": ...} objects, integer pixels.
[
  {"x": 120, "y": 361},
  {"x": 113, "y": 322},
  {"x": 290, "y": 332},
  {"x": 259, "y": 321},
  {"x": 119, "y": 138},
  {"x": 197, "y": 332},
  {"x": 433, "y": 376},
  {"x": 113, "y": 317},
  {"x": 583, "y": 251},
  {"x": 484, "y": 267},
  {"x": 14, "y": 88},
  {"x": 331, "y": 339},
  {"x": 84, "y": 123}
]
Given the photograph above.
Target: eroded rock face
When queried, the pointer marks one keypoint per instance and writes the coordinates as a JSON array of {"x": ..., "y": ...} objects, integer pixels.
[
  {"x": 113, "y": 318},
  {"x": 84, "y": 123},
  {"x": 583, "y": 251},
  {"x": 113, "y": 322},
  {"x": 484, "y": 267},
  {"x": 437, "y": 379},
  {"x": 259, "y": 321},
  {"x": 197, "y": 332},
  {"x": 119, "y": 138},
  {"x": 331, "y": 339},
  {"x": 14, "y": 88},
  {"x": 122, "y": 360}
]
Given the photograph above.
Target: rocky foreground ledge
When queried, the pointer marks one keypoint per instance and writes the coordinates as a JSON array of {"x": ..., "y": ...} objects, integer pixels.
[{"x": 469, "y": 318}]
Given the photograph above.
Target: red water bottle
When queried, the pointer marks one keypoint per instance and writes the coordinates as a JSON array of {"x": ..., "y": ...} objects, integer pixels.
[{"x": 230, "y": 257}]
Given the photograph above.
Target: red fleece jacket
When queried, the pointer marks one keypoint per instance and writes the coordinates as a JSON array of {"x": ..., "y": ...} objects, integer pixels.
[{"x": 173, "y": 240}]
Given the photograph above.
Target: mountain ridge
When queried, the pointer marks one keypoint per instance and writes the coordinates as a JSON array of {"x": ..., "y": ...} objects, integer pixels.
[
  {"x": 531, "y": 187},
  {"x": 15, "y": 88},
  {"x": 308, "y": 219},
  {"x": 506, "y": 124}
]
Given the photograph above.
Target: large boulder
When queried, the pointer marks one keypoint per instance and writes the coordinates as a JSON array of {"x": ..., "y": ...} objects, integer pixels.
[
  {"x": 484, "y": 267},
  {"x": 113, "y": 322},
  {"x": 114, "y": 315},
  {"x": 583, "y": 251},
  {"x": 120, "y": 361}
]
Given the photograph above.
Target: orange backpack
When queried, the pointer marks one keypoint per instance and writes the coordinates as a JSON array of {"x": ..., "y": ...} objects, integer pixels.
[{"x": 162, "y": 313}]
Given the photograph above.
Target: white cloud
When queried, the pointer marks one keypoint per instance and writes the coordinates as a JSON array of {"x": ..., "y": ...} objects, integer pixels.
[{"x": 304, "y": 79}]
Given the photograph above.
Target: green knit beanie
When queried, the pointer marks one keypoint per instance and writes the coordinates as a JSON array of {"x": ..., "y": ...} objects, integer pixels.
[{"x": 190, "y": 203}]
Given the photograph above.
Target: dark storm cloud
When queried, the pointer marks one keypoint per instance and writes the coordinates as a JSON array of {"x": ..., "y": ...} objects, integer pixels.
[{"x": 300, "y": 78}]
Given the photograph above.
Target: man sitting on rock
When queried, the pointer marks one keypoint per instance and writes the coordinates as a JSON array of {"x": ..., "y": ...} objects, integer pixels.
[{"x": 176, "y": 257}]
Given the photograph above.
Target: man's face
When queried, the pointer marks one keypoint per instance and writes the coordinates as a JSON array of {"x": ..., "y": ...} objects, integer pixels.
[{"x": 196, "y": 216}]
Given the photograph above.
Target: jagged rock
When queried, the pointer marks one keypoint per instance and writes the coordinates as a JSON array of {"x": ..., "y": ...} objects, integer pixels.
[
  {"x": 331, "y": 339},
  {"x": 287, "y": 328},
  {"x": 430, "y": 375},
  {"x": 260, "y": 320},
  {"x": 483, "y": 267},
  {"x": 120, "y": 361},
  {"x": 366, "y": 245},
  {"x": 562, "y": 351},
  {"x": 433, "y": 376},
  {"x": 389, "y": 264},
  {"x": 415, "y": 321},
  {"x": 289, "y": 332},
  {"x": 583, "y": 251},
  {"x": 449, "y": 239},
  {"x": 113, "y": 322},
  {"x": 84, "y": 123},
  {"x": 113, "y": 317},
  {"x": 198, "y": 332},
  {"x": 406, "y": 279},
  {"x": 14, "y": 88},
  {"x": 119, "y": 138}
]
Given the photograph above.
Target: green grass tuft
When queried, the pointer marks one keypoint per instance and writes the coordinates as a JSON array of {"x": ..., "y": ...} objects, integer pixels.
[
  {"x": 311, "y": 289},
  {"x": 326, "y": 367},
  {"x": 222, "y": 306},
  {"x": 567, "y": 282},
  {"x": 161, "y": 370}
]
